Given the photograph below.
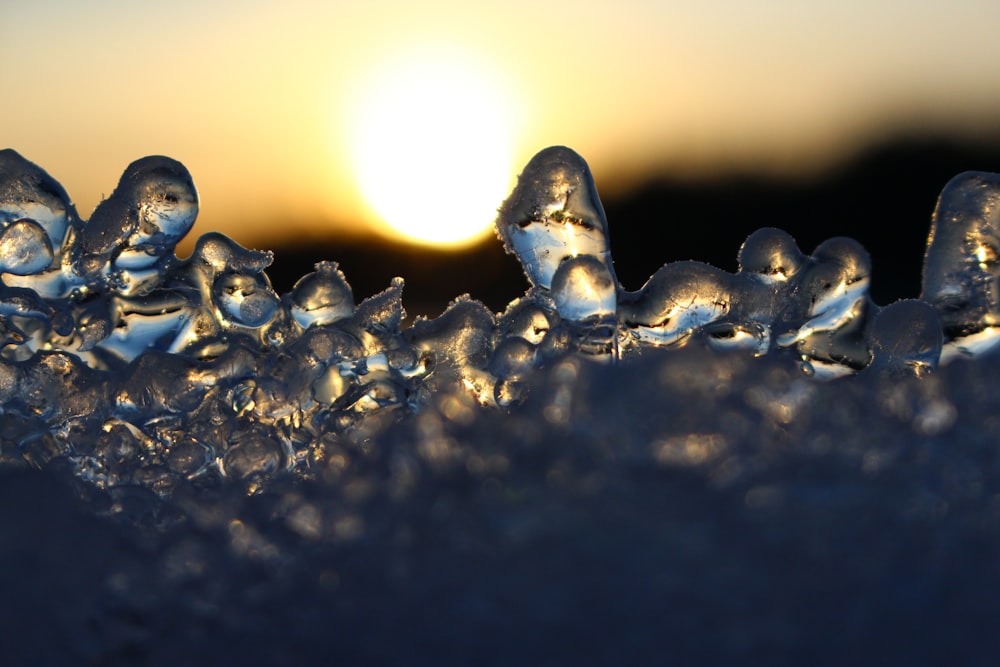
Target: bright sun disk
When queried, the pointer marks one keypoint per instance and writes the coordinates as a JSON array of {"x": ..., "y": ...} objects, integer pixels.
[{"x": 432, "y": 146}]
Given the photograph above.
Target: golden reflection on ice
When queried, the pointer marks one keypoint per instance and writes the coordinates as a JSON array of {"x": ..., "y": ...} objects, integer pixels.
[
  {"x": 985, "y": 254},
  {"x": 692, "y": 449}
]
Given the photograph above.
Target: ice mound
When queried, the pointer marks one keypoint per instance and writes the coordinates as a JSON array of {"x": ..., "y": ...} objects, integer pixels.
[
  {"x": 592, "y": 475},
  {"x": 165, "y": 346}
]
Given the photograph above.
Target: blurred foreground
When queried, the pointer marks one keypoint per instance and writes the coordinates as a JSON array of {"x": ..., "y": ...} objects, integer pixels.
[{"x": 687, "y": 507}]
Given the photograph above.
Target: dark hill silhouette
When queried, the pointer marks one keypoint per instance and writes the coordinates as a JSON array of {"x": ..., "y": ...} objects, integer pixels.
[{"x": 884, "y": 198}]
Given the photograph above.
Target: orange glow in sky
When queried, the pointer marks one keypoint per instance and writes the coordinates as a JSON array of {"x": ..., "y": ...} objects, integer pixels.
[{"x": 301, "y": 119}]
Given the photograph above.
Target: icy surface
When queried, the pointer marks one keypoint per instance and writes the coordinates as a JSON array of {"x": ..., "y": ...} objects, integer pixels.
[{"x": 714, "y": 467}]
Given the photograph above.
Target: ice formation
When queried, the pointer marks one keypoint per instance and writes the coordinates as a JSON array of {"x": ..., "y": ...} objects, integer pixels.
[
  {"x": 195, "y": 469},
  {"x": 201, "y": 366}
]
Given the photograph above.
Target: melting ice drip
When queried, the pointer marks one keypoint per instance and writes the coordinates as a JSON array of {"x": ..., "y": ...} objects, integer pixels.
[{"x": 136, "y": 367}]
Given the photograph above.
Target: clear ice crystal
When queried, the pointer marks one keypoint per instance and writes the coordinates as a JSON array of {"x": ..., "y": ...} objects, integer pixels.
[
  {"x": 322, "y": 297},
  {"x": 553, "y": 214},
  {"x": 678, "y": 300},
  {"x": 831, "y": 294},
  {"x": 906, "y": 339},
  {"x": 25, "y": 248},
  {"x": 140, "y": 370},
  {"x": 29, "y": 193},
  {"x": 137, "y": 228},
  {"x": 771, "y": 255},
  {"x": 962, "y": 265}
]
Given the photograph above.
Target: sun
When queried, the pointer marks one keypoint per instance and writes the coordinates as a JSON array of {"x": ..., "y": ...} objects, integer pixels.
[{"x": 432, "y": 144}]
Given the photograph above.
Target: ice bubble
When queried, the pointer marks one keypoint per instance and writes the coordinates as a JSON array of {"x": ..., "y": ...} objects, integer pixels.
[
  {"x": 244, "y": 300},
  {"x": 25, "y": 248},
  {"x": 322, "y": 297}
]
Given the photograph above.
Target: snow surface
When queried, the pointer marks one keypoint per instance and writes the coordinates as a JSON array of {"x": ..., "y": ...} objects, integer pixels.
[{"x": 686, "y": 507}]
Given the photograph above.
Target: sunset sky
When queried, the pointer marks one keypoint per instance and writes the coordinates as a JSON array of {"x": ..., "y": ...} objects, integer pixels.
[{"x": 314, "y": 119}]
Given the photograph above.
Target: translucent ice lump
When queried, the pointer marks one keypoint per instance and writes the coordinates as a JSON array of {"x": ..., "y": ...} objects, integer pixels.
[
  {"x": 963, "y": 262},
  {"x": 138, "y": 367},
  {"x": 554, "y": 214}
]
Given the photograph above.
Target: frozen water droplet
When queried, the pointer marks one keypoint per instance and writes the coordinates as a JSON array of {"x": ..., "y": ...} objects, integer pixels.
[
  {"x": 244, "y": 300},
  {"x": 678, "y": 299},
  {"x": 962, "y": 265},
  {"x": 377, "y": 319},
  {"x": 460, "y": 342},
  {"x": 25, "y": 248},
  {"x": 253, "y": 453},
  {"x": 462, "y": 333},
  {"x": 554, "y": 213},
  {"x": 319, "y": 346},
  {"x": 27, "y": 318},
  {"x": 585, "y": 295},
  {"x": 225, "y": 290},
  {"x": 35, "y": 216},
  {"x": 596, "y": 338},
  {"x": 583, "y": 288},
  {"x": 771, "y": 255},
  {"x": 216, "y": 253},
  {"x": 158, "y": 383},
  {"x": 513, "y": 359},
  {"x": 189, "y": 457},
  {"x": 512, "y": 363},
  {"x": 906, "y": 339},
  {"x": 831, "y": 294},
  {"x": 525, "y": 318},
  {"x": 138, "y": 226},
  {"x": 268, "y": 399},
  {"x": 28, "y": 192},
  {"x": 322, "y": 297}
]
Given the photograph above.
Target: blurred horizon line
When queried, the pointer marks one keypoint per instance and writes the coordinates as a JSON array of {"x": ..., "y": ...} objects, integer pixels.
[
  {"x": 617, "y": 186},
  {"x": 883, "y": 198}
]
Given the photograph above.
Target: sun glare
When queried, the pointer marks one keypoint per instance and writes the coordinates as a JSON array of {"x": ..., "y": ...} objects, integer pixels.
[{"x": 432, "y": 144}]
